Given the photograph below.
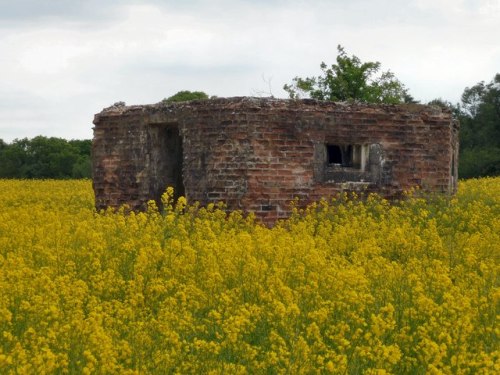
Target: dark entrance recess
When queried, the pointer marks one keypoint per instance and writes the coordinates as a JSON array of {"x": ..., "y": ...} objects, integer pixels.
[
  {"x": 173, "y": 148},
  {"x": 166, "y": 161}
]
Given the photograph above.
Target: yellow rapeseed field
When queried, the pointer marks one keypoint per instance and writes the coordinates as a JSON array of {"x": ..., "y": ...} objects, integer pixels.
[{"x": 348, "y": 286}]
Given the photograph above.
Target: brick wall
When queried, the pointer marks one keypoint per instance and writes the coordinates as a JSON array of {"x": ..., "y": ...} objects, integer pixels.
[{"x": 259, "y": 154}]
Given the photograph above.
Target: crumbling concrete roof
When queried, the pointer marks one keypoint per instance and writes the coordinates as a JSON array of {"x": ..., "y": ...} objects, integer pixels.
[{"x": 256, "y": 103}]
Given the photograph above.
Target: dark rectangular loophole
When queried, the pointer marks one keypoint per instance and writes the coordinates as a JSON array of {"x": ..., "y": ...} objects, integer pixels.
[{"x": 334, "y": 154}]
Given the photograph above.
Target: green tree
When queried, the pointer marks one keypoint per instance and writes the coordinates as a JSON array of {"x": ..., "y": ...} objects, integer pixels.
[
  {"x": 480, "y": 130},
  {"x": 84, "y": 146},
  {"x": 184, "y": 96},
  {"x": 13, "y": 159},
  {"x": 43, "y": 157},
  {"x": 82, "y": 168},
  {"x": 48, "y": 158},
  {"x": 350, "y": 79}
]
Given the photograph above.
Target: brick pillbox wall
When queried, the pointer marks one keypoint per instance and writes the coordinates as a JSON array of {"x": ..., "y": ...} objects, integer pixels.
[{"x": 258, "y": 154}]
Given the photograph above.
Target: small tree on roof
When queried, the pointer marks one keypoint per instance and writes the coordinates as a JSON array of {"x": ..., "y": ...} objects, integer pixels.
[{"x": 350, "y": 79}]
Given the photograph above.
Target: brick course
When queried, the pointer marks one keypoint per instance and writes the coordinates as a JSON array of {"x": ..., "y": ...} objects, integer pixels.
[{"x": 258, "y": 154}]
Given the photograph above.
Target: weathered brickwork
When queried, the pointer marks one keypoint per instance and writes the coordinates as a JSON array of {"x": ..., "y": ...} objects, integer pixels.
[{"x": 258, "y": 154}]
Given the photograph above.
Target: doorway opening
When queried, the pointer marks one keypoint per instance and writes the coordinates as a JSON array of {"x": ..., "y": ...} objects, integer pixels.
[
  {"x": 173, "y": 163},
  {"x": 165, "y": 161}
]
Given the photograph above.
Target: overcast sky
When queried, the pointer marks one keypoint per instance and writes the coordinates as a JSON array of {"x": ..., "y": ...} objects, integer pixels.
[{"x": 62, "y": 61}]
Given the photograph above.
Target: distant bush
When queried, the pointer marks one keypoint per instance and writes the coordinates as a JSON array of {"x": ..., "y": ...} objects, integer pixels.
[{"x": 184, "y": 96}]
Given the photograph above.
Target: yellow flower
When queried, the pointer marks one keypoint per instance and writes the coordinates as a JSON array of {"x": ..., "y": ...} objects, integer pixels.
[{"x": 346, "y": 285}]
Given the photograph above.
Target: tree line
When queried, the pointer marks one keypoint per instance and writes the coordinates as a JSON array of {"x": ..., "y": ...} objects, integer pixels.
[
  {"x": 43, "y": 157},
  {"x": 479, "y": 115},
  {"x": 348, "y": 79}
]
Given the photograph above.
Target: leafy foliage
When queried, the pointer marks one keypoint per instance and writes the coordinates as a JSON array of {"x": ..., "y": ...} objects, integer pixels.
[
  {"x": 350, "y": 79},
  {"x": 479, "y": 115},
  {"x": 184, "y": 96},
  {"x": 43, "y": 157}
]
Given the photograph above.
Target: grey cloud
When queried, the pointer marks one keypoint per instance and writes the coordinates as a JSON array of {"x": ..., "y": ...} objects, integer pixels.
[{"x": 21, "y": 11}]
